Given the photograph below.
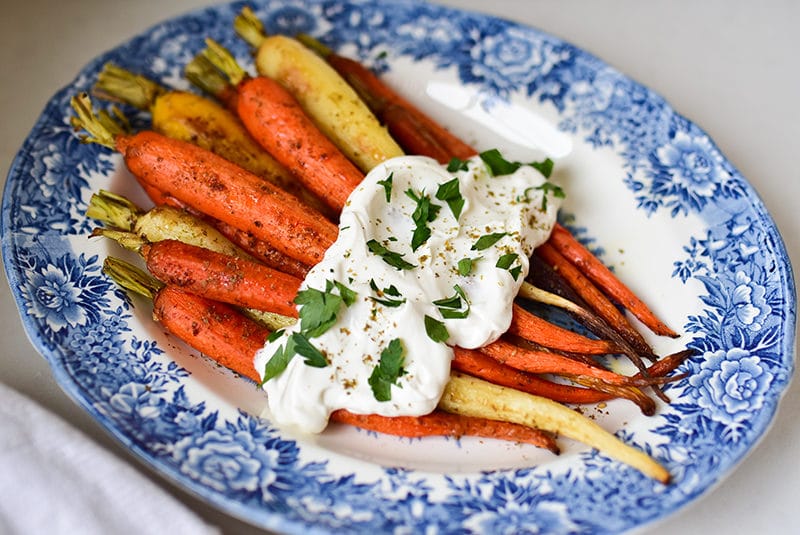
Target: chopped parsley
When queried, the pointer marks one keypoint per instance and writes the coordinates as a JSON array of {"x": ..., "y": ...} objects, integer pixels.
[
  {"x": 487, "y": 240},
  {"x": 320, "y": 308},
  {"x": 499, "y": 166},
  {"x": 436, "y": 329},
  {"x": 506, "y": 261},
  {"x": 280, "y": 359},
  {"x": 390, "y": 257},
  {"x": 304, "y": 348},
  {"x": 449, "y": 193},
  {"x": 387, "y": 186},
  {"x": 389, "y": 297},
  {"x": 466, "y": 264},
  {"x": 457, "y": 164},
  {"x": 388, "y": 371},
  {"x": 425, "y": 213},
  {"x": 455, "y": 307},
  {"x": 547, "y": 187},
  {"x": 318, "y": 313}
]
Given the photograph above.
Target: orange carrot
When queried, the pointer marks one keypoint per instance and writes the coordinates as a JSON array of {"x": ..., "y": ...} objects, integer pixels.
[
  {"x": 256, "y": 248},
  {"x": 480, "y": 365},
  {"x": 217, "y": 276},
  {"x": 594, "y": 298},
  {"x": 440, "y": 423},
  {"x": 215, "y": 329},
  {"x": 214, "y": 186},
  {"x": 544, "y": 333},
  {"x": 276, "y": 120},
  {"x": 263, "y": 251},
  {"x": 566, "y": 244},
  {"x": 533, "y": 361}
]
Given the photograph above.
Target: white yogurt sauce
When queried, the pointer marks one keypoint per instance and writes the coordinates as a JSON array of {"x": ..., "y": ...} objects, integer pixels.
[{"x": 303, "y": 396}]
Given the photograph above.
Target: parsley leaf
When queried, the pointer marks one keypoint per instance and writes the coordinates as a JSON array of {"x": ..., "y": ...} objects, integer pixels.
[
  {"x": 499, "y": 166},
  {"x": 487, "y": 240},
  {"x": 423, "y": 214},
  {"x": 545, "y": 167},
  {"x": 456, "y": 164},
  {"x": 318, "y": 311},
  {"x": 390, "y": 257},
  {"x": 348, "y": 295},
  {"x": 436, "y": 330},
  {"x": 388, "y": 370},
  {"x": 506, "y": 261},
  {"x": 320, "y": 308},
  {"x": 546, "y": 187},
  {"x": 466, "y": 264},
  {"x": 278, "y": 361},
  {"x": 452, "y": 307},
  {"x": 305, "y": 348},
  {"x": 394, "y": 300},
  {"x": 387, "y": 186},
  {"x": 449, "y": 193}
]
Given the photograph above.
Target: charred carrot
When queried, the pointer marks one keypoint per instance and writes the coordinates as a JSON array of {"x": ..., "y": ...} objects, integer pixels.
[
  {"x": 544, "y": 333},
  {"x": 574, "y": 251},
  {"x": 484, "y": 367},
  {"x": 236, "y": 281},
  {"x": 594, "y": 298},
  {"x": 401, "y": 116},
  {"x": 214, "y": 186},
  {"x": 440, "y": 423},
  {"x": 533, "y": 361}
]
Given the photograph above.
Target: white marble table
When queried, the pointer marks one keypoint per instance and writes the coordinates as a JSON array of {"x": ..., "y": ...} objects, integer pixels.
[{"x": 731, "y": 67}]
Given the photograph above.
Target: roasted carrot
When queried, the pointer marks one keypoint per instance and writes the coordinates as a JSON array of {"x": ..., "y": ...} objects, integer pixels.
[
  {"x": 574, "y": 251},
  {"x": 484, "y": 367},
  {"x": 326, "y": 98},
  {"x": 533, "y": 361},
  {"x": 401, "y": 116},
  {"x": 594, "y": 298},
  {"x": 237, "y": 281},
  {"x": 218, "y": 188},
  {"x": 280, "y": 125},
  {"x": 263, "y": 251},
  {"x": 476, "y": 397},
  {"x": 542, "y": 332},
  {"x": 199, "y": 120},
  {"x": 440, "y": 423}
]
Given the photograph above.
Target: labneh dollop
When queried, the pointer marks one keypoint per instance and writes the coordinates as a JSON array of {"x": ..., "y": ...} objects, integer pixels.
[{"x": 428, "y": 257}]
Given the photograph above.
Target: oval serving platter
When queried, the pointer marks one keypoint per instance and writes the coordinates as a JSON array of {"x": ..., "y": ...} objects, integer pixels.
[{"x": 646, "y": 189}]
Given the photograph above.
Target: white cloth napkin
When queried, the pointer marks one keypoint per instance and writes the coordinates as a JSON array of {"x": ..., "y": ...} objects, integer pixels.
[{"x": 55, "y": 480}]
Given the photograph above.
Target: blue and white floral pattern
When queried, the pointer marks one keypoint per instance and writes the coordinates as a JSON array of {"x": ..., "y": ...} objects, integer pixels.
[{"x": 741, "y": 326}]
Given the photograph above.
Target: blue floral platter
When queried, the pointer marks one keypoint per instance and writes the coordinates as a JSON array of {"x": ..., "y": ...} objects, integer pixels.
[{"x": 647, "y": 190}]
